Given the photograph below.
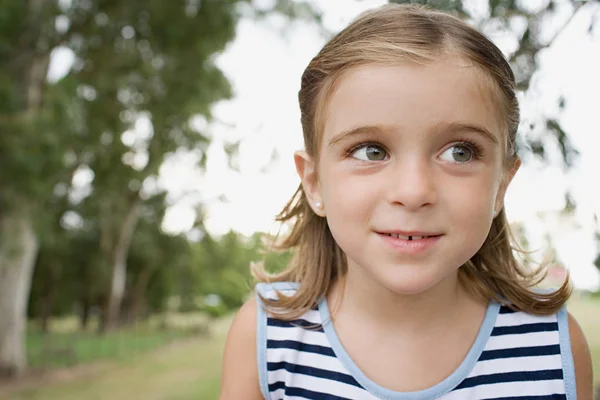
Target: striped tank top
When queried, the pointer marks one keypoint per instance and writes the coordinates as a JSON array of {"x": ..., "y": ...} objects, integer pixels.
[{"x": 515, "y": 356}]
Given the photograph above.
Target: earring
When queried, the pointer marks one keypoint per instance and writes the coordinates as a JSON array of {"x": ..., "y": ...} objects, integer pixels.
[{"x": 318, "y": 204}]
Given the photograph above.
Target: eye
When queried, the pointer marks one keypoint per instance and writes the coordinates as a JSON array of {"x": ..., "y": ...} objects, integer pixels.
[
  {"x": 369, "y": 152},
  {"x": 459, "y": 153}
]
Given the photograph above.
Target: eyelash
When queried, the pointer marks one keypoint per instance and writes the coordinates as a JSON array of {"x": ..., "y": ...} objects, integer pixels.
[
  {"x": 360, "y": 145},
  {"x": 477, "y": 149}
]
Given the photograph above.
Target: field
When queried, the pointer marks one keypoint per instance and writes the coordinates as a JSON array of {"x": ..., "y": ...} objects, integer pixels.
[{"x": 186, "y": 368}]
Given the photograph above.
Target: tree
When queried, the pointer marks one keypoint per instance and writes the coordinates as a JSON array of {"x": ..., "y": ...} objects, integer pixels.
[
  {"x": 154, "y": 263},
  {"x": 136, "y": 58},
  {"x": 163, "y": 71},
  {"x": 28, "y": 161},
  {"x": 220, "y": 267}
]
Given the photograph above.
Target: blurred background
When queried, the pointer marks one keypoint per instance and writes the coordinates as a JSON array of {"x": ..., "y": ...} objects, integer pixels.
[{"x": 145, "y": 147}]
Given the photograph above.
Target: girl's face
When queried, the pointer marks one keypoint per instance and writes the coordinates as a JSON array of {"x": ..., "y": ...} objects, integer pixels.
[{"x": 409, "y": 151}]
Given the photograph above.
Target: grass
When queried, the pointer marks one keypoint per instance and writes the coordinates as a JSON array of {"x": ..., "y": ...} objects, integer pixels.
[
  {"x": 59, "y": 350},
  {"x": 64, "y": 346},
  {"x": 190, "y": 369},
  {"x": 187, "y": 369}
]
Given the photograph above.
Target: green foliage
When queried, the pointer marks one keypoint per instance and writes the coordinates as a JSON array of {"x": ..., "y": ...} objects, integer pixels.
[
  {"x": 140, "y": 58},
  {"x": 30, "y": 150},
  {"x": 215, "y": 311},
  {"x": 155, "y": 259},
  {"x": 137, "y": 60},
  {"x": 160, "y": 267},
  {"x": 220, "y": 272}
]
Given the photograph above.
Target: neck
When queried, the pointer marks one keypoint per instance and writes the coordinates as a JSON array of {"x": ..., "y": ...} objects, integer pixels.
[{"x": 367, "y": 300}]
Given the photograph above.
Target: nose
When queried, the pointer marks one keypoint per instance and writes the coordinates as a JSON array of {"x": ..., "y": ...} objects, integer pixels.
[{"x": 412, "y": 183}]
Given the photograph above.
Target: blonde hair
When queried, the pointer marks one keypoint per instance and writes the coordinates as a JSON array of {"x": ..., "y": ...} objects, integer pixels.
[{"x": 389, "y": 35}]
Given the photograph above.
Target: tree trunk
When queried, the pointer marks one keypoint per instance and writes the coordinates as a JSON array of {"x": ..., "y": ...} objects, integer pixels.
[
  {"x": 119, "y": 267},
  {"x": 138, "y": 295},
  {"x": 84, "y": 319},
  {"x": 18, "y": 250},
  {"x": 48, "y": 295},
  {"x": 46, "y": 308},
  {"x": 18, "y": 242}
]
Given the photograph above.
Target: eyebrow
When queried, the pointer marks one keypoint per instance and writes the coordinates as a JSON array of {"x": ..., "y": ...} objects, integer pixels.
[
  {"x": 354, "y": 132},
  {"x": 452, "y": 127}
]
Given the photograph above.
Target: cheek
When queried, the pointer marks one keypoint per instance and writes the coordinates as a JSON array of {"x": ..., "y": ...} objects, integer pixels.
[
  {"x": 333, "y": 184},
  {"x": 472, "y": 202},
  {"x": 478, "y": 197},
  {"x": 348, "y": 195}
]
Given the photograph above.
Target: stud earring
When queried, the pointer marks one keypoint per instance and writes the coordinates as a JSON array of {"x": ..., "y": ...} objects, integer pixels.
[{"x": 318, "y": 204}]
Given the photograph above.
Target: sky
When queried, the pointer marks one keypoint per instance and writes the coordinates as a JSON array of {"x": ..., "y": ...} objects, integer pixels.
[{"x": 264, "y": 64}]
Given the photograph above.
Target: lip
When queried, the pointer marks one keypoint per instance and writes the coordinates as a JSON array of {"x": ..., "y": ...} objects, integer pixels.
[
  {"x": 411, "y": 247},
  {"x": 409, "y": 233}
]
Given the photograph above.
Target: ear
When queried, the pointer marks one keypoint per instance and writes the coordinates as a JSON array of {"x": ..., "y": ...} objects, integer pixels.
[
  {"x": 306, "y": 168},
  {"x": 507, "y": 178}
]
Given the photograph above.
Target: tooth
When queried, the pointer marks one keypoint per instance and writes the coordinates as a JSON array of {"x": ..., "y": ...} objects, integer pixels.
[{"x": 398, "y": 236}]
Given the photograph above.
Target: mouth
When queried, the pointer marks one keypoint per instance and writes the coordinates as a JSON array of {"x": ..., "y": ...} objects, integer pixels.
[
  {"x": 412, "y": 243},
  {"x": 410, "y": 236}
]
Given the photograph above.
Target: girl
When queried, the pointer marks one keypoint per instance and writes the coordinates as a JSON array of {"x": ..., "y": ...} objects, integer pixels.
[{"x": 404, "y": 284}]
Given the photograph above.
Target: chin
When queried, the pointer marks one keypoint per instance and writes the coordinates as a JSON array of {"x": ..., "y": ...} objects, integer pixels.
[{"x": 410, "y": 284}]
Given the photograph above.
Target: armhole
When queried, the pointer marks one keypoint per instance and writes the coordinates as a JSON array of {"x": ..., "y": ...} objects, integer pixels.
[
  {"x": 261, "y": 328},
  {"x": 261, "y": 341},
  {"x": 566, "y": 354}
]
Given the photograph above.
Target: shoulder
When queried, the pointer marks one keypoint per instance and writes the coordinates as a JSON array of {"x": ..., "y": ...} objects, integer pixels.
[
  {"x": 582, "y": 359},
  {"x": 240, "y": 368},
  {"x": 273, "y": 290},
  {"x": 575, "y": 354}
]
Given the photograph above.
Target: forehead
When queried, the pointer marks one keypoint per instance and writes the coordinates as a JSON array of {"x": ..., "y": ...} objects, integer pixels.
[{"x": 412, "y": 97}]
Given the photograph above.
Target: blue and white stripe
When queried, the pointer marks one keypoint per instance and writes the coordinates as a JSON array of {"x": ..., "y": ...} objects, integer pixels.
[{"x": 515, "y": 356}]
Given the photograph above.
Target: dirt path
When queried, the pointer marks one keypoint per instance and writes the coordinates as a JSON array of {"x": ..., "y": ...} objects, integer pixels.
[{"x": 34, "y": 379}]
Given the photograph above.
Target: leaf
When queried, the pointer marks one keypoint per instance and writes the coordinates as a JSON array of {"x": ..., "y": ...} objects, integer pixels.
[{"x": 568, "y": 152}]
